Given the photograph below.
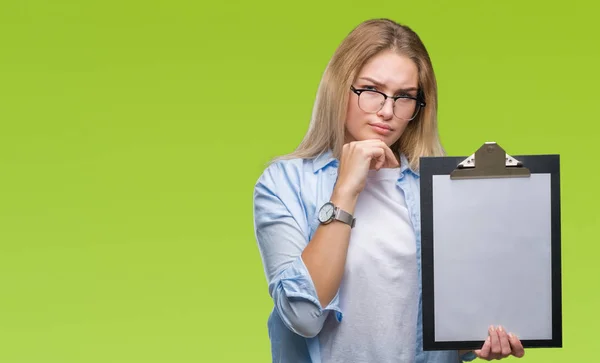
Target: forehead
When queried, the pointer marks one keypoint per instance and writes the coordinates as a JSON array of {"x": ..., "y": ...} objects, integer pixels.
[{"x": 391, "y": 69}]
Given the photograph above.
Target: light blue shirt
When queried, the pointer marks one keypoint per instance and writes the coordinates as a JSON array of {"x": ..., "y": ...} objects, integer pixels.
[{"x": 287, "y": 198}]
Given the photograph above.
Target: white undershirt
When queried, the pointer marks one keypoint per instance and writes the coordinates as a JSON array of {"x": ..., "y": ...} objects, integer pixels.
[{"x": 379, "y": 290}]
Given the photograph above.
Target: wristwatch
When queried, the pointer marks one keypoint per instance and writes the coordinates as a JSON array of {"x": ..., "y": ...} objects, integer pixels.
[{"x": 329, "y": 212}]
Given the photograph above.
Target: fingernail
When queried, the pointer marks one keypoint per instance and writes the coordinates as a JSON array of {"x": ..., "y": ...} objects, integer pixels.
[
  {"x": 492, "y": 328},
  {"x": 500, "y": 328},
  {"x": 511, "y": 335}
]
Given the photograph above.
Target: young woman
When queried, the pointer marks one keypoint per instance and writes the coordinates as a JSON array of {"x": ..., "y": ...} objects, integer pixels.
[{"x": 338, "y": 221}]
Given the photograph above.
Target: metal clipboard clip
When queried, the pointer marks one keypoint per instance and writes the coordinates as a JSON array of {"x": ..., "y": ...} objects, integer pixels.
[{"x": 490, "y": 161}]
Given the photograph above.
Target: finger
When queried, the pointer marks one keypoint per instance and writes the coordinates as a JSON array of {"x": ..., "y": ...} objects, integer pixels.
[
  {"x": 373, "y": 164},
  {"x": 504, "y": 344},
  {"x": 484, "y": 352},
  {"x": 516, "y": 346},
  {"x": 389, "y": 155},
  {"x": 496, "y": 348},
  {"x": 380, "y": 162},
  {"x": 377, "y": 155}
]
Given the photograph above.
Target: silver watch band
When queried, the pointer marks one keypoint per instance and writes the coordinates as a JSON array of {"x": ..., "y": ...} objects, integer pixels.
[{"x": 343, "y": 216}]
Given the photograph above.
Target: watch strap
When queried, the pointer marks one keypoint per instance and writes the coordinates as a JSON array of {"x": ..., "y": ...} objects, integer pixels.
[{"x": 343, "y": 216}]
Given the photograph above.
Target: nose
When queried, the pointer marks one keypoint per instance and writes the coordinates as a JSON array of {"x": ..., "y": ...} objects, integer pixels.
[{"x": 387, "y": 110}]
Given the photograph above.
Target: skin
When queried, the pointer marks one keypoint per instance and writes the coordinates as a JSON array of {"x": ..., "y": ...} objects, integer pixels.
[
  {"x": 366, "y": 149},
  {"x": 391, "y": 74}
]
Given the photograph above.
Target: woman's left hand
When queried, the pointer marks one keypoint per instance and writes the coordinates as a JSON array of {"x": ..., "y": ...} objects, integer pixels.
[{"x": 500, "y": 344}]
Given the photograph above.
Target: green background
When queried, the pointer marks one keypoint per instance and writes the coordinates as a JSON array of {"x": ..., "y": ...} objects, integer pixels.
[{"x": 132, "y": 133}]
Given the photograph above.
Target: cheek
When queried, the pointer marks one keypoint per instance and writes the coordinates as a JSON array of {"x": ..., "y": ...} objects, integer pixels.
[
  {"x": 354, "y": 116},
  {"x": 353, "y": 126},
  {"x": 400, "y": 129}
]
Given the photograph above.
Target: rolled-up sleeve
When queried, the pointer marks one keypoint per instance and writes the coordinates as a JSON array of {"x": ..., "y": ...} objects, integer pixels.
[{"x": 281, "y": 231}]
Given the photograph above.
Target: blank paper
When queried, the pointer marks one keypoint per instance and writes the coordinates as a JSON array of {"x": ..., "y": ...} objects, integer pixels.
[{"x": 492, "y": 257}]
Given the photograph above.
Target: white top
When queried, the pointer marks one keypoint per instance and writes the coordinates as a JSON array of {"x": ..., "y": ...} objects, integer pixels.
[{"x": 379, "y": 290}]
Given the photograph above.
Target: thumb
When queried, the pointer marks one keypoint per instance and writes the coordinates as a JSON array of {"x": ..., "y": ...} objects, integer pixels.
[{"x": 484, "y": 352}]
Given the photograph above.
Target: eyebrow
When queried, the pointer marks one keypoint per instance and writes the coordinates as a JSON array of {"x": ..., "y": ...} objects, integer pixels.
[{"x": 379, "y": 84}]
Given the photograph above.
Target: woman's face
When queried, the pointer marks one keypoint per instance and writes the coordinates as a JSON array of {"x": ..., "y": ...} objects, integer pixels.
[{"x": 394, "y": 75}]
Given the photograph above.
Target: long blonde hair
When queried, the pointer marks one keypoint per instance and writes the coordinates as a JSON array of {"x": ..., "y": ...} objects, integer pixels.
[{"x": 327, "y": 125}]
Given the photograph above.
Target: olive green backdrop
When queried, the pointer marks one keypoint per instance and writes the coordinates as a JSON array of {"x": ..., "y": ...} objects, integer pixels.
[{"x": 132, "y": 133}]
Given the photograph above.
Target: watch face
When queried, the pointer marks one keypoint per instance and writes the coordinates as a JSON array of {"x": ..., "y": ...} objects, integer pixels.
[{"x": 326, "y": 212}]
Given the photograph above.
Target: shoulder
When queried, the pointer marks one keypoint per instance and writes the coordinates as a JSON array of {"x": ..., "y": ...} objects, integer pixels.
[
  {"x": 285, "y": 171},
  {"x": 284, "y": 189}
]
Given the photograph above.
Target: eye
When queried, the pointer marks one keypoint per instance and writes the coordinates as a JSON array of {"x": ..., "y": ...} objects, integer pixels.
[{"x": 371, "y": 88}]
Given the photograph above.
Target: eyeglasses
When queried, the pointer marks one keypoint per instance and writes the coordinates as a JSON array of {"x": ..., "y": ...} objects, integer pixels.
[{"x": 405, "y": 107}]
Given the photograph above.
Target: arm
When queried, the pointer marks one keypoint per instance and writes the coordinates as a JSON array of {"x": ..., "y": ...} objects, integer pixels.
[
  {"x": 325, "y": 255},
  {"x": 280, "y": 228},
  {"x": 302, "y": 270}
]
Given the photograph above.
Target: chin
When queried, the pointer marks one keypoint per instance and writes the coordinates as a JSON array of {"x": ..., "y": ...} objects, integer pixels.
[
  {"x": 382, "y": 138},
  {"x": 370, "y": 136},
  {"x": 388, "y": 139}
]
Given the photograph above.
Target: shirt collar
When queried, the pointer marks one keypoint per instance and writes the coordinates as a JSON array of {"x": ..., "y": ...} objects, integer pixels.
[
  {"x": 323, "y": 159},
  {"x": 404, "y": 165}
]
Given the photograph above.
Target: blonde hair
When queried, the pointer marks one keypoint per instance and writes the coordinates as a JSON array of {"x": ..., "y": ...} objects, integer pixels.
[{"x": 327, "y": 126}]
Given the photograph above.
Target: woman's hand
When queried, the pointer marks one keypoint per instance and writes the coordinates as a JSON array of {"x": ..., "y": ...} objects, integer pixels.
[
  {"x": 500, "y": 344},
  {"x": 357, "y": 159}
]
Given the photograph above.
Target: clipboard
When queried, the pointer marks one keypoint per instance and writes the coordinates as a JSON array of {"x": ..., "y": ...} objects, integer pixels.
[{"x": 490, "y": 248}]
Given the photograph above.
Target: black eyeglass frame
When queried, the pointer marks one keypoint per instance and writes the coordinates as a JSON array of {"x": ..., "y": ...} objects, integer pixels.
[{"x": 420, "y": 100}]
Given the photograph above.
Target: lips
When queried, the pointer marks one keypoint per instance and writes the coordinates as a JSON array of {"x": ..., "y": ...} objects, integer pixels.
[{"x": 381, "y": 128}]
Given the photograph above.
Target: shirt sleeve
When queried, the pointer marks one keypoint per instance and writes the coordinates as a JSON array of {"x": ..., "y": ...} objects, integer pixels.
[
  {"x": 468, "y": 356},
  {"x": 281, "y": 231}
]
